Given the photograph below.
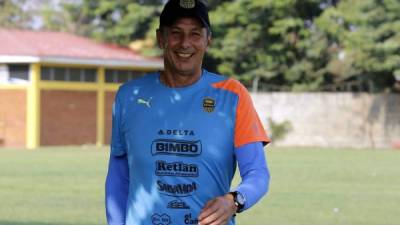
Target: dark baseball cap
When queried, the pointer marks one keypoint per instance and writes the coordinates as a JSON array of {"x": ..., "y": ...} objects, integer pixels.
[{"x": 175, "y": 9}]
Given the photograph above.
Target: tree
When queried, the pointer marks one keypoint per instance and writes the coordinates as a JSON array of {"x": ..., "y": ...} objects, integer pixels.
[
  {"x": 367, "y": 34},
  {"x": 266, "y": 40},
  {"x": 66, "y": 16},
  {"x": 121, "y": 22},
  {"x": 292, "y": 45},
  {"x": 12, "y": 14}
]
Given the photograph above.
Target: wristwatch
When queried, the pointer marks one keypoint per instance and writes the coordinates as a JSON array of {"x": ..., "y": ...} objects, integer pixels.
[{"x": 239, "y": 200}]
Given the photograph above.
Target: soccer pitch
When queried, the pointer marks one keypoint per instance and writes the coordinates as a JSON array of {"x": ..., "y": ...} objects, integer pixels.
[{"x": 65, "y": 186}]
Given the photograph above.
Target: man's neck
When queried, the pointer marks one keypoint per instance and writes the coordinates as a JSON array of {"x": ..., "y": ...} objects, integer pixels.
[{"x": 176, "y": 80}]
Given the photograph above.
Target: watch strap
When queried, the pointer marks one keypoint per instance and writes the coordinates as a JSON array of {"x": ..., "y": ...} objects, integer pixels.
[{"x": 239, "y": 206}]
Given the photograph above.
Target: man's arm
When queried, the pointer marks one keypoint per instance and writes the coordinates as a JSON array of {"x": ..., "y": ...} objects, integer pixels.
[
  {"x": 117, "y": 185},
  {"x": 253, "y": 171},
  {"x": 255, "y": 182}
]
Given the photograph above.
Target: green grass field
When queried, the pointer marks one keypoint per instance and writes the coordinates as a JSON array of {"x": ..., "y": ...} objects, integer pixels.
[{"x": 65, "y": 186}]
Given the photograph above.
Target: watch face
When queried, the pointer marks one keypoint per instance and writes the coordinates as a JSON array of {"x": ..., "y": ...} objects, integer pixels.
[{"x": 240, "y": 198}]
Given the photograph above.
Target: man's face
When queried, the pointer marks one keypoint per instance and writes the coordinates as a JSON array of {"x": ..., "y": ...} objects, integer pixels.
[{"x": 184, "y": 44}]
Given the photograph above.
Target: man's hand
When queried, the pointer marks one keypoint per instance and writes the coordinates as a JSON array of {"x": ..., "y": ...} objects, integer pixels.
[{"x": 217, "y": 211}]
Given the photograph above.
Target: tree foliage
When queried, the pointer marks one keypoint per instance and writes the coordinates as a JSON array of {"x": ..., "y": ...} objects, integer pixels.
[
  {"x": 12, "y": 14},
  {"x": 268, "y": 40},
  {"x": 116, "y": 21},
  {"x": 308, "y": 45},
  {"x": 292, "y": 45},
  {"x": 367, "y": 34}
]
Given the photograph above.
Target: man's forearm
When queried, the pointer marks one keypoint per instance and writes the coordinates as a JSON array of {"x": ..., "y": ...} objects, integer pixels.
[
  {"x": 253, "y": 171},
  {"x": 117, "y": 184}
]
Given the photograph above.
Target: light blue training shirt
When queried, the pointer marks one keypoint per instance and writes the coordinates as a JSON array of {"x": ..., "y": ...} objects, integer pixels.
[{"x": 180, "y": 144}]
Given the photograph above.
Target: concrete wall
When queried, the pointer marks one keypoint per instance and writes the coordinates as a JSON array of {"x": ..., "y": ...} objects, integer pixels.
[
  {"x": 12, "y": 118},
  {"x": 317, "y": 119},
  {"x": 334, "y": 119}
]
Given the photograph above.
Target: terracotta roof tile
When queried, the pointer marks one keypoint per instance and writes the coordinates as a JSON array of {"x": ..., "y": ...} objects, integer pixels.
[{"x": 59, "y": 44}]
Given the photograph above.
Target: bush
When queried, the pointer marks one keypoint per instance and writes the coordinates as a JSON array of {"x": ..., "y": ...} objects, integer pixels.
[{"x": 279, "y": 130}]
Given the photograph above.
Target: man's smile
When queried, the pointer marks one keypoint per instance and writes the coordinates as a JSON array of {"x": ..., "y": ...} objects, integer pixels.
[{"x": 184, "y": 55}]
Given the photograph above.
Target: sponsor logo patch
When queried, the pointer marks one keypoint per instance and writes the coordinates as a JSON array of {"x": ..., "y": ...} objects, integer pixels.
[
  {"x": 208, "y": 104},
  {"x": 175, "y": 147},
  {"x": 177, "y": 204},
  {"x": 178, "y": 169},
  {"x": 162, "y": 219},
  {"x": 177, "y": 190},
  {"x": 176, "y": 132},
  {"x": 145, "y": 102},
  {"x": 189, "y": 220}
]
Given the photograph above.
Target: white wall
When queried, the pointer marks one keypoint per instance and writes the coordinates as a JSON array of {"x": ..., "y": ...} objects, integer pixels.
[
  {"x": 333, "y": 119},
  {"x": 3, "y": 73}
]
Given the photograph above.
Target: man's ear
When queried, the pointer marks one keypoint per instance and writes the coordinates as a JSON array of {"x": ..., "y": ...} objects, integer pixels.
[
  {"x": 160, "y": 38},
  {"x": 209, "y": 41}
]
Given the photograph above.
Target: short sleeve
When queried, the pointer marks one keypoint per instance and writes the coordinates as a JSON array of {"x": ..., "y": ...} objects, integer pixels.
[
  {"x": 118, "y": 143},
  {"x": 248, "y": 127}
]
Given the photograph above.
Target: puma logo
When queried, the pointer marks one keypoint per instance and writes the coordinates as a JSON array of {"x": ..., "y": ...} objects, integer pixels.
[{"x": 144, "y": 102}]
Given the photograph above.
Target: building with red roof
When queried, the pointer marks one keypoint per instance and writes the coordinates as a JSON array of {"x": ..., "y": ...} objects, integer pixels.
[
  {"x": 23, "y": 46},
  {"x": 58, "y": 88}
]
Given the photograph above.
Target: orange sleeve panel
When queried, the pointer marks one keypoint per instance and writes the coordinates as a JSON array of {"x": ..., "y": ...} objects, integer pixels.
[{"x": 248, "y": 127}]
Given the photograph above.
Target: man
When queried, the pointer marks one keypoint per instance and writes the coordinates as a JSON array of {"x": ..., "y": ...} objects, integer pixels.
[{"x": 178, "y": 134}]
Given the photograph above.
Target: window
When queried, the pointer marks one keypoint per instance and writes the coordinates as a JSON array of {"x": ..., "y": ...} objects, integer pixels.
[
  {"x": 60, "y": 74},
  {"x": 45, "y": 74},
  {"x": 74, "y": 74},
  {"x": 89, "y": 76},
  {"x": 68, "y": 74},
  {"x": 122, "y": 76},
  {"x": 18, "y": 72}
]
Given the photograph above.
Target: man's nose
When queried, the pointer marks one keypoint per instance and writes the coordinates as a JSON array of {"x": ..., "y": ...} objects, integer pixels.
[{"x": 185, "y": 41}]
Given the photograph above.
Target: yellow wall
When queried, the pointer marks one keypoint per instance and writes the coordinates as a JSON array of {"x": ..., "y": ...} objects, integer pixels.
[{"x": 36, "y": 85}]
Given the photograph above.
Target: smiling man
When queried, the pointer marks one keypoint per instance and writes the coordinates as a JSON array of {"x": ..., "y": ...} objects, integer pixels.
[
  {"x": 184, "y": 35},
  {"x": 178, "y": 136}
]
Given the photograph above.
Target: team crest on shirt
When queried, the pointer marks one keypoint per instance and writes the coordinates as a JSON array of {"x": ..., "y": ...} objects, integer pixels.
[{"x": 208, "y": 104}]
